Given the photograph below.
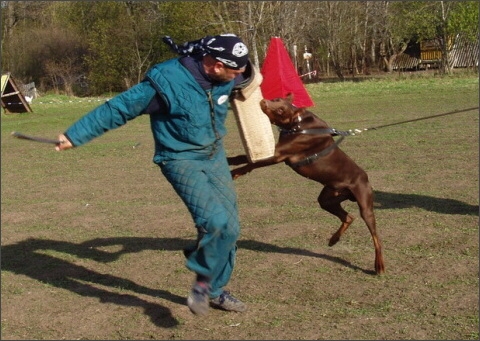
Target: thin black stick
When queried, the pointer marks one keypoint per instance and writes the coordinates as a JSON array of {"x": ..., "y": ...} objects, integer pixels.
[{"x": 34, "y": 138}]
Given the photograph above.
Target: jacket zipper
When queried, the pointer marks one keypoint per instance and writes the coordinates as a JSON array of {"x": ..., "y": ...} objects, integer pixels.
[{"x": 212, "y": 117}]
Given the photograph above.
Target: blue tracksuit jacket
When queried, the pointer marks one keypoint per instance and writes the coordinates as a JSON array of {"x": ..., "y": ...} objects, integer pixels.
[{"x": 190, "y": 153}]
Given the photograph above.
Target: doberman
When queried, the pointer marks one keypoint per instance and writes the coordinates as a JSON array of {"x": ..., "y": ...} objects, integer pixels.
[{"x": 306, "y": 144}]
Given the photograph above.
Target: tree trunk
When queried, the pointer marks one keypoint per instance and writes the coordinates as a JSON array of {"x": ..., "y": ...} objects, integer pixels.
[
  {"x": 445, "y": 47},
  {"x": 389, "y": 62}
]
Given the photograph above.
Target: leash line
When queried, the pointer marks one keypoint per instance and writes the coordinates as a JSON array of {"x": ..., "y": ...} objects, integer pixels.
[
  {"x": 422, "y": 118},
  {"x": 353, "y": 132}
]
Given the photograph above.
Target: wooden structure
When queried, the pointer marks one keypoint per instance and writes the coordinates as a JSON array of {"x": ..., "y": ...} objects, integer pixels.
[
  {"x": 462, "y": 53},
  {"x": 13, "y": 100}
]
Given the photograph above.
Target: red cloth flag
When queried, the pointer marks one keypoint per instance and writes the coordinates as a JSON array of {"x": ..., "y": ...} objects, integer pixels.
[{"x": 280, "y": 77}]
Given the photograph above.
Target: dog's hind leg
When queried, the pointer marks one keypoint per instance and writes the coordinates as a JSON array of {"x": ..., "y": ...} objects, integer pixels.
[
  {"x": 365, "y": 203},
  {"x": 330, "y": 200}
]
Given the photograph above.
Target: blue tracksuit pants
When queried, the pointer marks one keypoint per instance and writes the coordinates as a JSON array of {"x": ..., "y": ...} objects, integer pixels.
[{"x": 206, "y": 187}]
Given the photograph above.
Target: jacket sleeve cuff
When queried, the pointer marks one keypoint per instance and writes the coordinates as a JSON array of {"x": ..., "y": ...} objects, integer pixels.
[{"x": 69, "y": 139}]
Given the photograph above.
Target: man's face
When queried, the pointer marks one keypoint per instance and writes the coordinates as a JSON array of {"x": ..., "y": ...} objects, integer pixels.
[{"x": 224, "y": 74}]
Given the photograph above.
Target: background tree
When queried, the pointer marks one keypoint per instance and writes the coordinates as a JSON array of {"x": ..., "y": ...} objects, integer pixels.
[
  {"x": 242, "y": 18},
  {"x": 331, "y": 30},
  {"x": 36, "y": 47},
  {"x": 124, "y": 38},
  {"x": 109, "y": 45},
  {"x": 440, "y": 22}
]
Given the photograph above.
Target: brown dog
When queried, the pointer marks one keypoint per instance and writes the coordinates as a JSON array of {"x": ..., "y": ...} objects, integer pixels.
[{"x": 307, "y": 146}]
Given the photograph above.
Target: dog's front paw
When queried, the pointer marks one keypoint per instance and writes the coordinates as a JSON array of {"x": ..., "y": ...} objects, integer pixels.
[
  {"x": 238, "y": 172},
  {"x": 237, "y": 160},
  {"x": 235, "y": 175}
]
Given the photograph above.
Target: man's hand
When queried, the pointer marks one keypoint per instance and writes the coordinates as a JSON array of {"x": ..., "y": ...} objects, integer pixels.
[{"x": 64, "y": 143}]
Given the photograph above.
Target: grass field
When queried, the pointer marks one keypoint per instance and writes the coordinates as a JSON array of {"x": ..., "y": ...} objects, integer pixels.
[{"x": 92, "y": 238}]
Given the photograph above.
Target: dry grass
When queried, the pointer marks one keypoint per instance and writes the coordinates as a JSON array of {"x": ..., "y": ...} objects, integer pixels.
[{"x": 92, "y": 238}]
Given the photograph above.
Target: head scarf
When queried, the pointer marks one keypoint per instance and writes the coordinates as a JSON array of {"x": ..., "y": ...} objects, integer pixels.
[{"x": 226, "y": 48}]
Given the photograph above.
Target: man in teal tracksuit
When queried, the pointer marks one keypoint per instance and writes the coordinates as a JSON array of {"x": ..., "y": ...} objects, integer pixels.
[{"x": 187, "y": 99}]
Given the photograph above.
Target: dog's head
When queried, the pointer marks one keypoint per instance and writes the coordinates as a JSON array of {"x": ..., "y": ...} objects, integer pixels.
[{"x": 281, "y": 111}]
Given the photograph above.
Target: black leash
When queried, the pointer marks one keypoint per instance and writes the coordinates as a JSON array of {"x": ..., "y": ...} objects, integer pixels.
[
  {"x": 334, "y": 132},
  {"x": 319, "y": 131},
  {"x": 352, "y": 132},
  {"x": 414, "y": 120}
]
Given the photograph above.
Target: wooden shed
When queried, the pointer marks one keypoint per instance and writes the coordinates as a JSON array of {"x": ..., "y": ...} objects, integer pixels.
[
  {"x": 13, "y": 100},
  {"x": 462, "y": 53}
]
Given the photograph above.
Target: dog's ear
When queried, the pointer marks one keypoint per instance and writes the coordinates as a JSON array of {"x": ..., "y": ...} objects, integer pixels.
[
  {"x": 289, "y": 97},
  {"x": 297, "y": 114}
]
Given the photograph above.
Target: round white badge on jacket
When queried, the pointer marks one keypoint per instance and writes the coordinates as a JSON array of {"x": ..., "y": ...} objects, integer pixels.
[{"x": 222, "y": 99}]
